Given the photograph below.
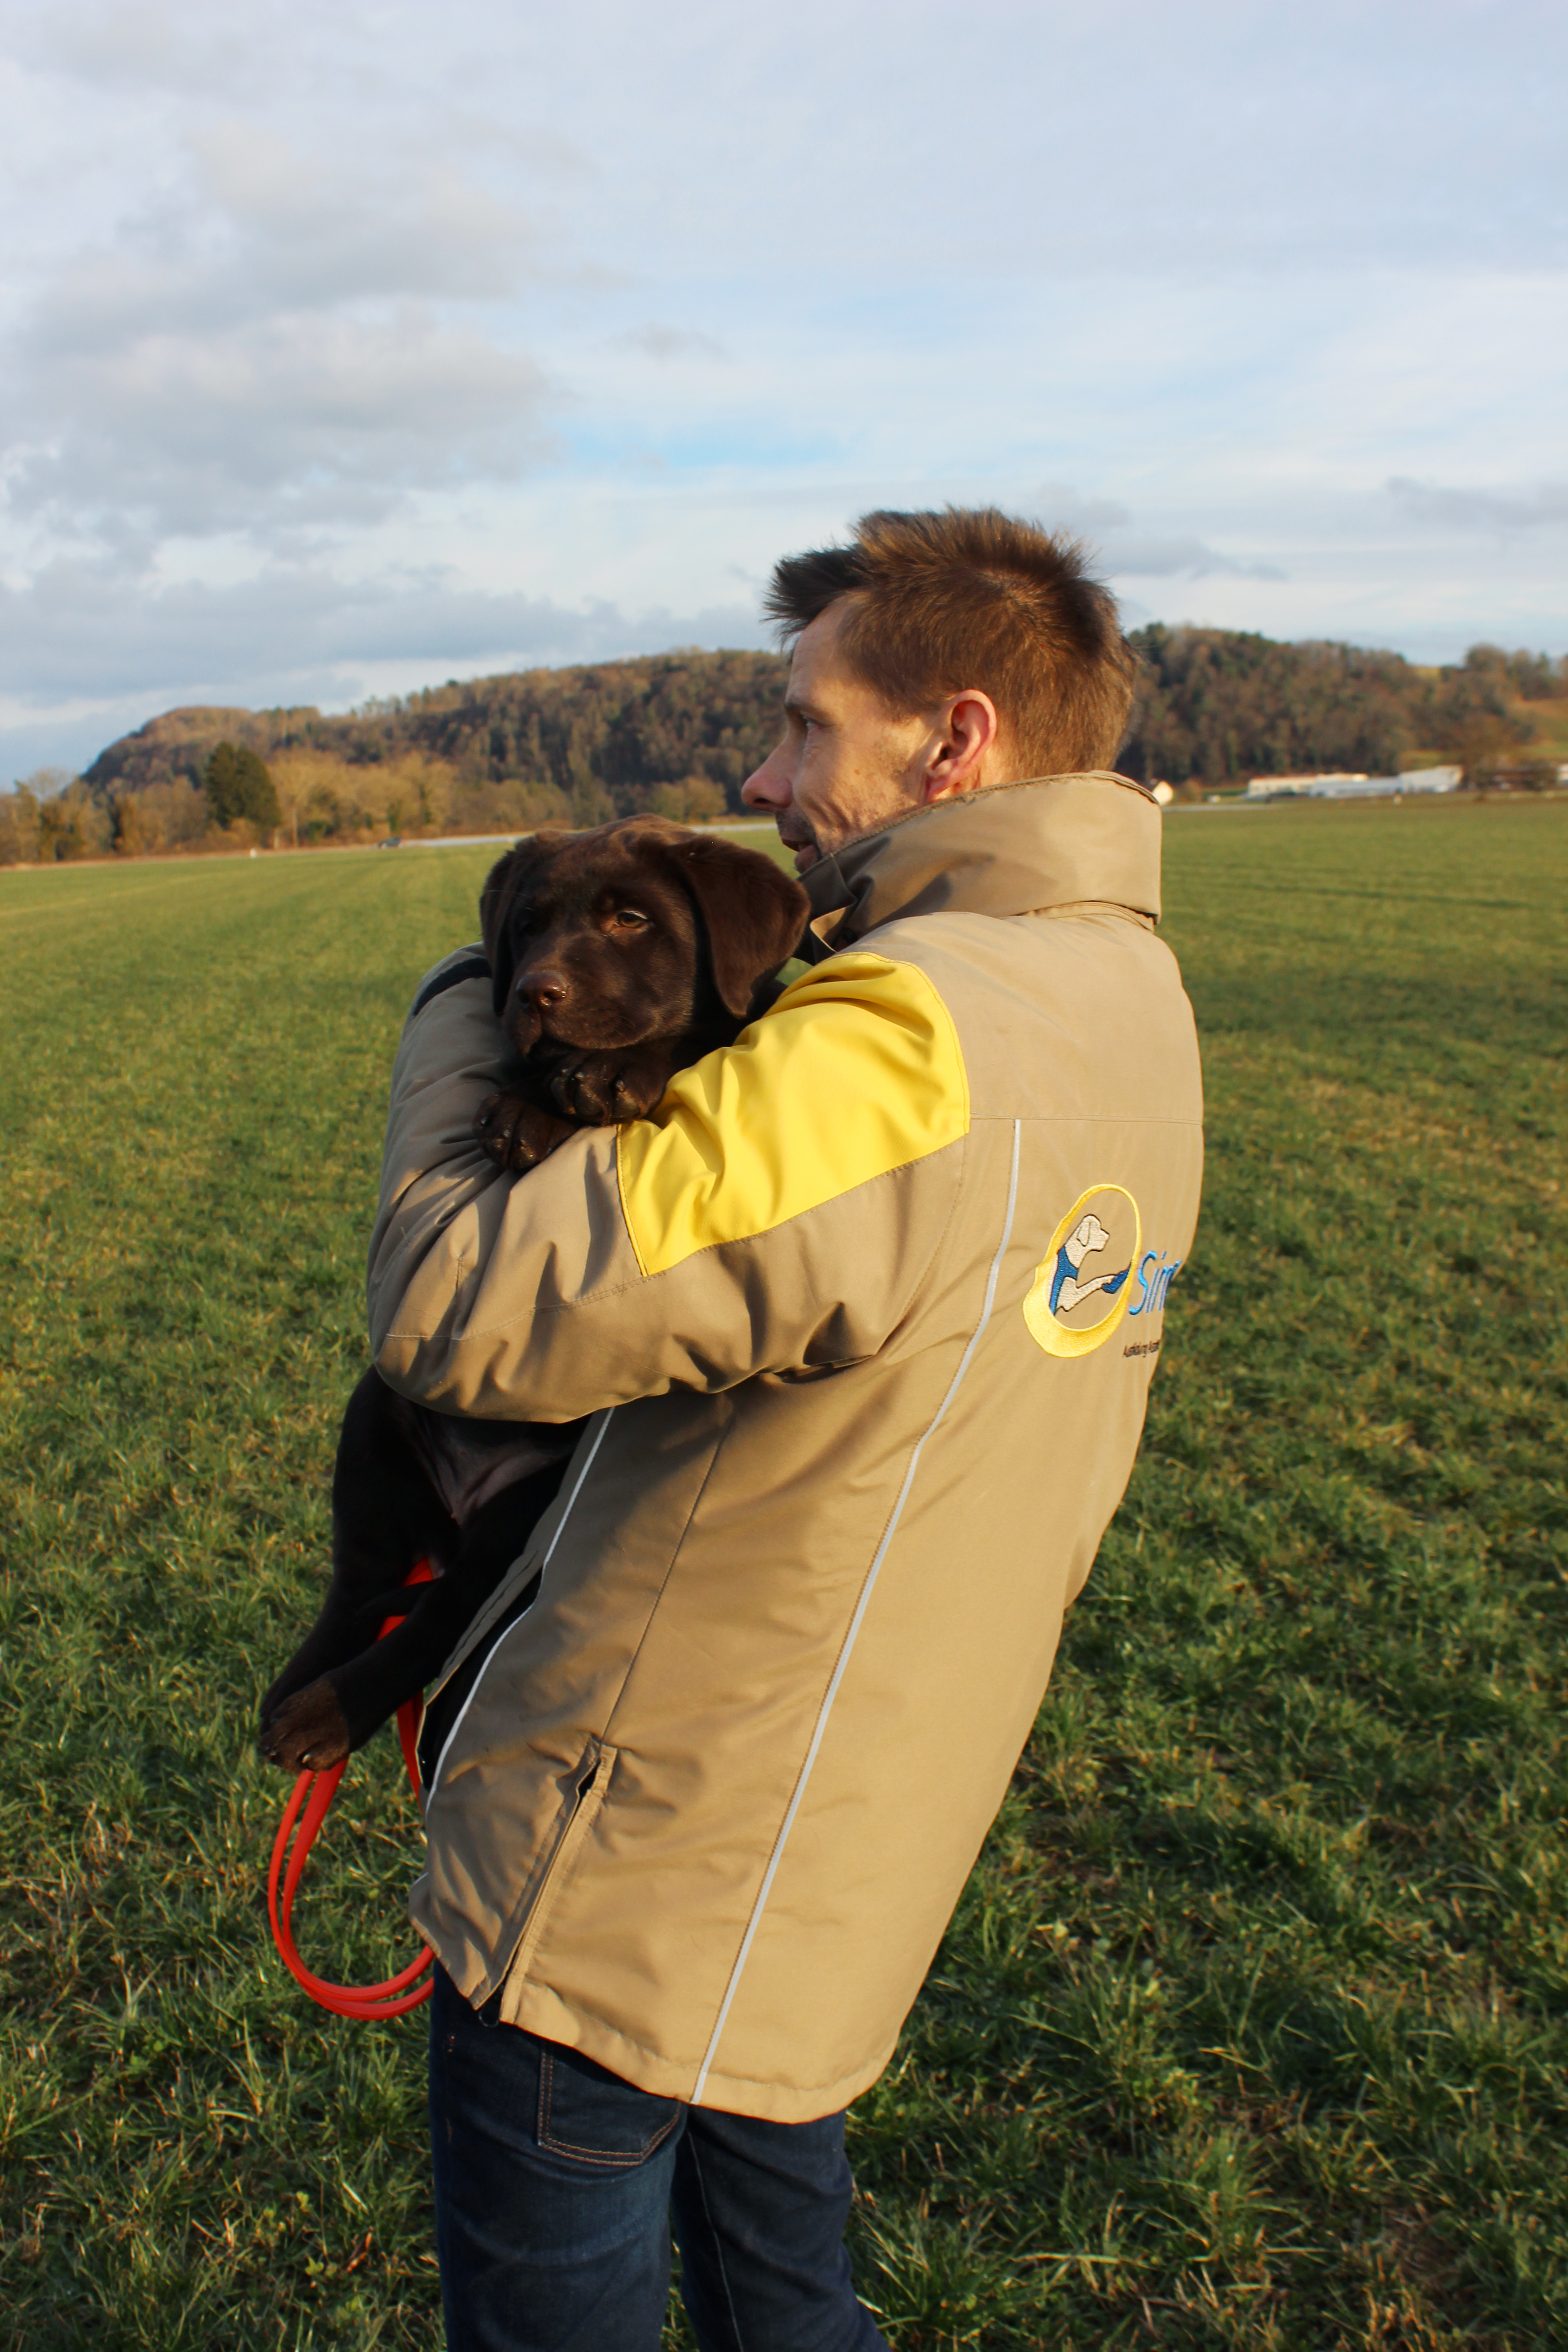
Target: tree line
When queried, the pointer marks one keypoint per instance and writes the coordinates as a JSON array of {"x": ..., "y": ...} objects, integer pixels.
[
  {"x": 679, "y": 733},
  {"x": 1217, "y": 706}
]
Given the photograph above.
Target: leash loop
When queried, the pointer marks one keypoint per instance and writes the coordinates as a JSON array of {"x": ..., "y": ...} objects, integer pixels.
[{"x": 392, "y": 1997}]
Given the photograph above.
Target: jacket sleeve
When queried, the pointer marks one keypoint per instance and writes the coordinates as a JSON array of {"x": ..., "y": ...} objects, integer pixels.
[{"x": 775, "y": 1214}]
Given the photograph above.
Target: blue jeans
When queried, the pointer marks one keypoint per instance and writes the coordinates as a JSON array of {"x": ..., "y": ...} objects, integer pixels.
[{"x": 557, "y": 2185}]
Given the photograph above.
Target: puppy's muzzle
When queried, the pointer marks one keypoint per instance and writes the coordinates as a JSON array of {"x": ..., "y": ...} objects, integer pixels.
[{"x": 535, "y": 996}]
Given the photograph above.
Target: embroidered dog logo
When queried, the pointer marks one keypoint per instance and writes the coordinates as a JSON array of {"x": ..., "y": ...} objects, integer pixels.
[
  {"x": 1079, "y": 1292},
  {"x": 1087, "y": 1239}
]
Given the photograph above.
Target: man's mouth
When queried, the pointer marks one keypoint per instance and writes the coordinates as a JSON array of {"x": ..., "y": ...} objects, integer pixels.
[{"x": 803, "y": 844}]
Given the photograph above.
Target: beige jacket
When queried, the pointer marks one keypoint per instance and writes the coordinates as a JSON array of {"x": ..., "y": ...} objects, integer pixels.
[{"x": 865, "y": 1316}]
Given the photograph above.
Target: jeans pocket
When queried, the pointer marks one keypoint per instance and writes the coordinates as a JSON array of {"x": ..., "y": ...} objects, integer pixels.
[{"x": 586, "y": 2112}]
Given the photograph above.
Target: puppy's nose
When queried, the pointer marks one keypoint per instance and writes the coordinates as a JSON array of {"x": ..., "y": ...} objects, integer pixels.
[{"x": 541, "y": 988}]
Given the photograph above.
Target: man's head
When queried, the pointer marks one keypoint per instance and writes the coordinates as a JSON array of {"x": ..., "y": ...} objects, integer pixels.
[{"x": 935, "y": 655}]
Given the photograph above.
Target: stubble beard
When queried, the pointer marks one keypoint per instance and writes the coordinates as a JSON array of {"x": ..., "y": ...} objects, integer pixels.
[{"x": 802, "y": 840}]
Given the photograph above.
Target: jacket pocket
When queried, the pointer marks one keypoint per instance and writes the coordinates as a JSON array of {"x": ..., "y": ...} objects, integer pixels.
[{"x": 583, "y": 1795}]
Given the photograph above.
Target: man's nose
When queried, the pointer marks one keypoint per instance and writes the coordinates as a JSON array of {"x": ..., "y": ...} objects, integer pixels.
[
  {"x": 767, "y": 786},
  {"x": 543, "y": 986}
]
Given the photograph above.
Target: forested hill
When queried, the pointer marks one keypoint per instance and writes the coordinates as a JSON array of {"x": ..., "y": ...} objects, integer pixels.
[
  {"x": 681, "y": 732},
  {"x": 1218, "y": 705},
  {"x": 587, "y": 743}
]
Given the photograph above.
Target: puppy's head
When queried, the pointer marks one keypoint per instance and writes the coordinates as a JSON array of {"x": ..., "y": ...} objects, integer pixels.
[{"x": 603, "y": 939}]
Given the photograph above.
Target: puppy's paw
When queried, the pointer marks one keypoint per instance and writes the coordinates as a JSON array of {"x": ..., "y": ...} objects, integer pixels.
[
  {"x": 582, "y": 1086},
  {"x": 308, "y": 1732},
  {"x": 517, "y": 1135},
  {"x": 601, "y": 1089}
]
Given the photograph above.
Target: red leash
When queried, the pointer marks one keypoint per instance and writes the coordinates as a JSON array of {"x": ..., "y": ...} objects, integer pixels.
[{"x": 392, "y": 1997}]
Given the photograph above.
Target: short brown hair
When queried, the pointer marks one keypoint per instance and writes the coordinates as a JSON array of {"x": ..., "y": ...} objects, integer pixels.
[{"x": 970, "y": 597}]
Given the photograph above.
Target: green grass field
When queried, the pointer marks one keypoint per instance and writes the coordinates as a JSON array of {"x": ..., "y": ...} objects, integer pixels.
[{"x": 1250, "y": 2030}]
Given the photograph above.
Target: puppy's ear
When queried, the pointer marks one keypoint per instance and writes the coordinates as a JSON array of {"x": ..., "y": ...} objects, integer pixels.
[
  {"x": 507, "y": 878},
  {"x": 495, "y": 905},
  {"x": 753, "y": 912}
]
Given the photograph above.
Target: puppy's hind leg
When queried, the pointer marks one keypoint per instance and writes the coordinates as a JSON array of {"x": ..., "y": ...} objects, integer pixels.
[
  {"x": 338, "y": 1712},
  {"x": 385, "y": 1517}
]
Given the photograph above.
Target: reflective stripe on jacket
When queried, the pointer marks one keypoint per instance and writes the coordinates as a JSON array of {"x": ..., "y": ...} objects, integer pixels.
[{"x": 865, "y": 1318}]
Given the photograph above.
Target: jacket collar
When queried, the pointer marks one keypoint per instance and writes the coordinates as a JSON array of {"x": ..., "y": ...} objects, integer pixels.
[{"x": 1012, "y": 849}]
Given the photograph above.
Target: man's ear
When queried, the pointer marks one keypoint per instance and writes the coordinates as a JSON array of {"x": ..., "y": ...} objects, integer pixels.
[
  {"x": 507, "y": 877},
  {"x": 964, "y": 759},
  {"x": 753, "y": 912}
]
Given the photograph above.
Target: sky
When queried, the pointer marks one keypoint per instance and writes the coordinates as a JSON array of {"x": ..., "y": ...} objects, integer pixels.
[{"x": 348, "y": 351}]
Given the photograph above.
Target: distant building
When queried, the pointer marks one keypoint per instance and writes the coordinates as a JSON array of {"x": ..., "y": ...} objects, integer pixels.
[
  {"x": 1269, "y": 788},
  {"x": 1346, "y": 784}
]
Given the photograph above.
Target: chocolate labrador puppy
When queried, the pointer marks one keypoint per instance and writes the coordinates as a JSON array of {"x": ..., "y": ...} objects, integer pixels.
[{"x": 616, "y": 957}]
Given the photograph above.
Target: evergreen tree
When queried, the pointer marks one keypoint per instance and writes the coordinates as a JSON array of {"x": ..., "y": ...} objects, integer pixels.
[{"x": 238, "y": 784}]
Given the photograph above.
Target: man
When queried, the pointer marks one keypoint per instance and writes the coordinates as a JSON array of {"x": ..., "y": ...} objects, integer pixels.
[{"x": 865, "y": 1316}]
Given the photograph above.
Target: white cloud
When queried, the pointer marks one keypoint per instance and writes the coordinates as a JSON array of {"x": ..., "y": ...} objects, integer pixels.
[
  {"x": 142, "y": 47},
  {"x": 656, "y": 343},
  {"x": 1146, "y": 555},
  {"x": 273, "y": 348},
  {"x": 1120, "y": 552},
  {"x": 1440, "y": 507},
  {"x": 271, "y": 425},
  {"x": 1062, "y": 508},
  {"x": 306, "y": 622},
  {"x": 311, "y": 230}
]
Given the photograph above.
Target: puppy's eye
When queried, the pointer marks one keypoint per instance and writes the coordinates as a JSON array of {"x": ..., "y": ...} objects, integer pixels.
[{"x": 627, "y": 919}]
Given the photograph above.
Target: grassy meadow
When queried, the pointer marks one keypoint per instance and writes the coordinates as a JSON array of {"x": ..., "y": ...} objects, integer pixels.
[{"x": 1250, "y": 2030}]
